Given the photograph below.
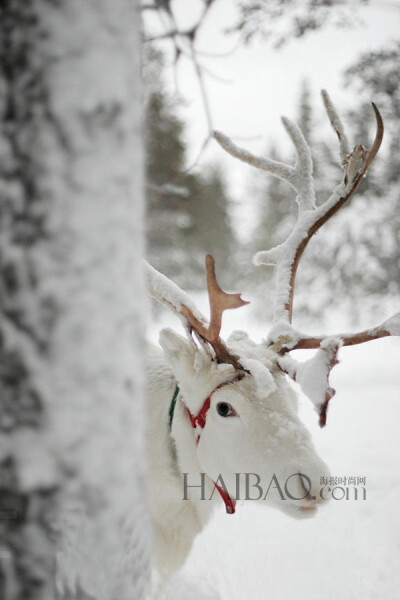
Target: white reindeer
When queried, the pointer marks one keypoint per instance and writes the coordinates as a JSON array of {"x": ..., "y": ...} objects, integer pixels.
[{"x": 220, "y": 409}]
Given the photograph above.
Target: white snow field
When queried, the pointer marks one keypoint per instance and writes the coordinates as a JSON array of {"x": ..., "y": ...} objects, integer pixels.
[{"x": 351, "y": 549}]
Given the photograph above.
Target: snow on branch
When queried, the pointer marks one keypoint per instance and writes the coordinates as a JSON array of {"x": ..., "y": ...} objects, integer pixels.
[
  {"x": 299, "y": 176},
  {"x": 313, "y": 375},
  {"x": 287, "y": 255},
  {"x": 283, "y": 337},
  {"x": 169, "y": 294},
  {"x": 274, "y": 167},
  {"x": 337, "y": 125},
  {"x": 304, "y": 166},
  {"x": 391, "y": 327}
]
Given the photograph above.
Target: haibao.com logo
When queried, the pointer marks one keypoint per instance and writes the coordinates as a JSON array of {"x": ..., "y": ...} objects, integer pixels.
[{"x": 249, "y": 486}]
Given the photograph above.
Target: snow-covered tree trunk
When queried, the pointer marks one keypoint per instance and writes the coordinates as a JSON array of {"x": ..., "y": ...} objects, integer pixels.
[{"x": 71, "y": 301}]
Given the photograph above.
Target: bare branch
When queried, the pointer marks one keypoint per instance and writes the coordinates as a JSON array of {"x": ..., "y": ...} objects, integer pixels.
[
  {"x": 200, "y": 153},
  {"x": 207, "y": 110},
  {"x": 183, "y": 42}
]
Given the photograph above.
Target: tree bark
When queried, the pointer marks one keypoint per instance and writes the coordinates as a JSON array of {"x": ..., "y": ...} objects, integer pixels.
[{"x": 71, "y": 301}]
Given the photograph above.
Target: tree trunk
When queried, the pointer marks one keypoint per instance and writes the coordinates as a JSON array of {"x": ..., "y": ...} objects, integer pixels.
[{"x": 71, "y": 301}]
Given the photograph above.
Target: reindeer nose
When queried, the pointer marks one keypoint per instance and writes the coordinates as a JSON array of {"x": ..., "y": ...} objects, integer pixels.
[
  {"x": 313, "y": 497},
  {"x": 309, "y": 493}
]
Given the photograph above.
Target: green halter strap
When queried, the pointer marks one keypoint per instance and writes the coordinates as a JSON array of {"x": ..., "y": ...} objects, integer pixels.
[{"x": 172, "y": 405}]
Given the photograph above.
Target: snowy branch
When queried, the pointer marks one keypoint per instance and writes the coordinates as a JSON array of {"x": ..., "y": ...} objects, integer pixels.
[
  {"x": 337, "y": 125},
  {"x": 313, "y": 375},
  {"x": 274, "y": 167},
  {"x": 391, "y": 327},
  {"x": 169, "y": 294}
]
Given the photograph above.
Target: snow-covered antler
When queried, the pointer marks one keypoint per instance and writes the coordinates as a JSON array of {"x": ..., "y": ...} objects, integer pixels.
[
  {"x": 169, "y": 294},
  {"x": 313, "y": 375},
  {"x": 286, "y": 257}
]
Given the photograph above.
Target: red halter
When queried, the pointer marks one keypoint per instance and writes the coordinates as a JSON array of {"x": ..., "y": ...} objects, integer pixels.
[{"x": 200, "y": 421}]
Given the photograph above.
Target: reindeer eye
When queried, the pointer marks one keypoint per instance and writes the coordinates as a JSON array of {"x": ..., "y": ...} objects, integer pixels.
[{"x": 225, "y": 410}]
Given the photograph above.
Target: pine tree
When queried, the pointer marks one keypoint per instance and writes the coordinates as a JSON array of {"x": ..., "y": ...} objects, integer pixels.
[
  {"x": 187, "y": 213},
  {"x": 211, "y": 231}
]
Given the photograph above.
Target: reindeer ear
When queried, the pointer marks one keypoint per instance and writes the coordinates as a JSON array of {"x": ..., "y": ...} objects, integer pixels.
[
  {"x": 185, "y": 360},
  {"x": 178, "y": 351},
  {"x": 175, "y": 346}
]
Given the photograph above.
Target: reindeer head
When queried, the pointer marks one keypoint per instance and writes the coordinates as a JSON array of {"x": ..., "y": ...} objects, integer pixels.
[
  {"x": 236, "y": 396},
  {"x": 248, "y": 439}
]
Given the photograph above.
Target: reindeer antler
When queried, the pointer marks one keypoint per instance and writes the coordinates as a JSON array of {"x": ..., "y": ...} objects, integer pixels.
[
  {"x": 219, "y": 301},
  {"x": 169, "y": 294},
  {"x": 286, "y": 257}
]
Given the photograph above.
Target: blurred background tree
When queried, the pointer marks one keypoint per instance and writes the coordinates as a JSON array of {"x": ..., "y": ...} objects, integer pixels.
[
  {"x": 356, "y": 261},
  {"x": 188, "y": 214},
  {"x": 357, "y": 253},
  {"x": 278, "y": 21}
]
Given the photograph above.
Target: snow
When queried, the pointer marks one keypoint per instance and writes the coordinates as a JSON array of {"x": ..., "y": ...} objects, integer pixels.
[
  {"x": 348, "y": 549},
  {"x": 275, "y": 167},
  {"x": 283, "y": 329},
  {"x": 313, "y": 375},
  {"x": 87, "y": 296},
  {"x": 35, "y": 457},
  {"x": 284, "y": 254},
  {"x": 302, "y": 181},
  {"x": 262, "y": 375},
  {"x": 167, "y": 292},
  {"x": 267, "y": 257},
  {"x": 337, "y": 125},
  {"x": 300, "y": 178},
  {"x": 392, "y": 325}
]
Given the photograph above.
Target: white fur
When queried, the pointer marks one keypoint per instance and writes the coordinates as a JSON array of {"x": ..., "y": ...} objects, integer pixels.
[{"x": 267, "y": 437}]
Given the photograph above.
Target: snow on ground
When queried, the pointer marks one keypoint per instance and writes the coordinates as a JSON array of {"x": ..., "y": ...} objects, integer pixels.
[{"x": 350, "y": 550}]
